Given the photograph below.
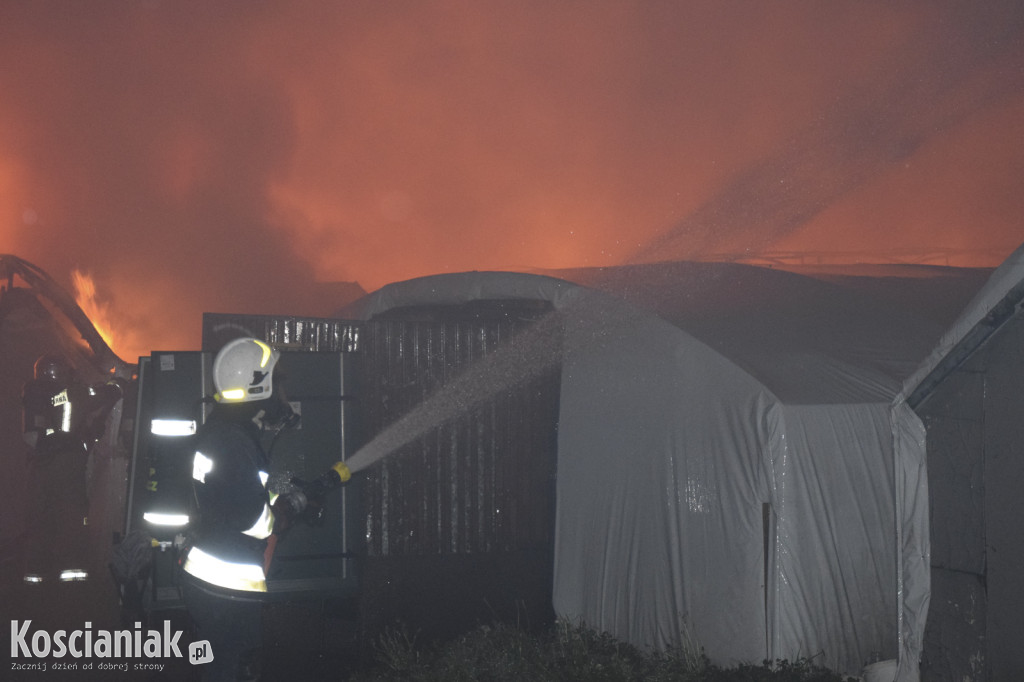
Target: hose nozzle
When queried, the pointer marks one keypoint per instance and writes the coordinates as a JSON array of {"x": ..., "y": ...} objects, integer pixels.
[{"x": 342, "y": 470}]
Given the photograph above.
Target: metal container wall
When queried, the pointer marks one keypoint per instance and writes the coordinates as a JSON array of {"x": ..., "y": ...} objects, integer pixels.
[
  {"x": 316, "y": 377},
  {"x": 480, "y": 478}
]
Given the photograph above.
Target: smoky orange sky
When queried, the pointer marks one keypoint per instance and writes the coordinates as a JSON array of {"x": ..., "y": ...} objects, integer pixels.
[{"x": 224, "y": 156}]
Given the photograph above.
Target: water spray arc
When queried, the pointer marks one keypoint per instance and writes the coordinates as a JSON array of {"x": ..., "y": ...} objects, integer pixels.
[
  {"x": 863, "y": 136},
  {"x": 537, "y": 349},
  {"x": 528, "y": 354}
]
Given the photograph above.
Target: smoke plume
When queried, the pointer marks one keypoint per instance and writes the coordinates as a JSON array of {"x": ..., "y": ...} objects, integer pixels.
[{"x": 229, "y": 157}]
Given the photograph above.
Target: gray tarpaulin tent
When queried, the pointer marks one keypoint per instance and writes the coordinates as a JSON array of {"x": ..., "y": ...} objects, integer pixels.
[
  {"x": 969, "y": 394},
  {"x": 731, "y": 468}
]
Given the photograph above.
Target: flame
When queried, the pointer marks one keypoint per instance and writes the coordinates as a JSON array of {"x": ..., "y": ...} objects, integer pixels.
[{"x": 97, "y": 311}]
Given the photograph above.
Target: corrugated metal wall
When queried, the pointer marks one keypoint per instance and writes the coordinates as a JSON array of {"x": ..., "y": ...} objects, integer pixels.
[
  {"x": 289, "y": 333},
  {"x": 481, "y": 481}
]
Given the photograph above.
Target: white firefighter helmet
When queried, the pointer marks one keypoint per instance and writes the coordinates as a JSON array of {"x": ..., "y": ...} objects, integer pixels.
[{"x": 243, "y": 371}]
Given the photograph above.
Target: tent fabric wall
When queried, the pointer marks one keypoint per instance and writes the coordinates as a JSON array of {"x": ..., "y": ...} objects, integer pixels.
[
  {"x": 660, "y": 489},
  {"x": 912, "y": 535},
  {"x": 835, "y": 588},
  {"x": 695, "y": 503},
  {"x": 709, "y": 446}
]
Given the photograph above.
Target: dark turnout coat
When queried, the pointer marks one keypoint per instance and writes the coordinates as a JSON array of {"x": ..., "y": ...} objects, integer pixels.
[{"x": 233, "y": 515}]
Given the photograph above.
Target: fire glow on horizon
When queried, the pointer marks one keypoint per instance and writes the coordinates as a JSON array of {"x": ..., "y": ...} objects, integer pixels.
[{"x": 227, "y": 158}]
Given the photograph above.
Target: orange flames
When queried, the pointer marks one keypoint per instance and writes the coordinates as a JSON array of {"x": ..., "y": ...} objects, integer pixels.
[{"x": 97, "y": 311}]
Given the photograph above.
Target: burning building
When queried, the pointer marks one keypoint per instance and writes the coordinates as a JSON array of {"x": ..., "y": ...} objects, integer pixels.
[{"x": 673, "y": 453}]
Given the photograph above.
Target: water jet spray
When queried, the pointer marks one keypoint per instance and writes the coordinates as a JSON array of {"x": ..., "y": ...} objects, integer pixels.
[{"x": 534, "y": 351}]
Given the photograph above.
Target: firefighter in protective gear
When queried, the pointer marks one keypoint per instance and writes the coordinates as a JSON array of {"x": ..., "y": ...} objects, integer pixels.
[
  {"x": 47, "y": 410},
  {"x": 224, "y": 568},
  {"x": 62, "y": 419},
  {"x": 59, "y": 412}
]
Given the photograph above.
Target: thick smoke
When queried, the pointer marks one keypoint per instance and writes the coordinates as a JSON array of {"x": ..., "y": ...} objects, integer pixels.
[
  {"x": 226, "y": 156},
  {"x": 144, "y": 152}
]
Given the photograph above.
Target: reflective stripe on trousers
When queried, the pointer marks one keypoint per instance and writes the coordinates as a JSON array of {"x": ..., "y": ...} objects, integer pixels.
[{"x": 227, "y": 574}]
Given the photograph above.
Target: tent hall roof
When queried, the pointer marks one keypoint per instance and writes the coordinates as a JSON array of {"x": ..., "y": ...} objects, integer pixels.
[
  {"x": 995, "y": 302},
  {"x": 811, "y": 336}
]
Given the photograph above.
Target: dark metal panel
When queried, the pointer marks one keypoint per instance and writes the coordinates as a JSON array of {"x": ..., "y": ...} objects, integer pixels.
[
  {"x": 955, "y": 427},
  {"x": 1004, "y": 514},
  {"x": 975, "y": 475},
  {"x": 321, "y": 556},
  {"x": 954, "y": 638},
  {"x": 954, "y": 641},
  {"x": 481, "y": 480},
  {"x": 316, "y": 371}
]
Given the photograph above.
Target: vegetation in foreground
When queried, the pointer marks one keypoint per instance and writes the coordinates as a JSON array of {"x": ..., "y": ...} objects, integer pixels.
[{"x": 566, "y": 653}]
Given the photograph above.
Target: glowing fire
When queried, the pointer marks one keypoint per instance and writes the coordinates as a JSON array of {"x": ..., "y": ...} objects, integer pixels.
[{"x": 97, "y": 312}]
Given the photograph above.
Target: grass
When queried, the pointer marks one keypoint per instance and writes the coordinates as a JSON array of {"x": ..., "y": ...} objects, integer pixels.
[{"x": 563, "y": 653}]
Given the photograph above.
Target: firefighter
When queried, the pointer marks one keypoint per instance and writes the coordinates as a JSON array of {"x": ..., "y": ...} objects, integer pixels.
[
  {"x": 63, "y": 418},
  {"x": 231, "y": 544}
]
